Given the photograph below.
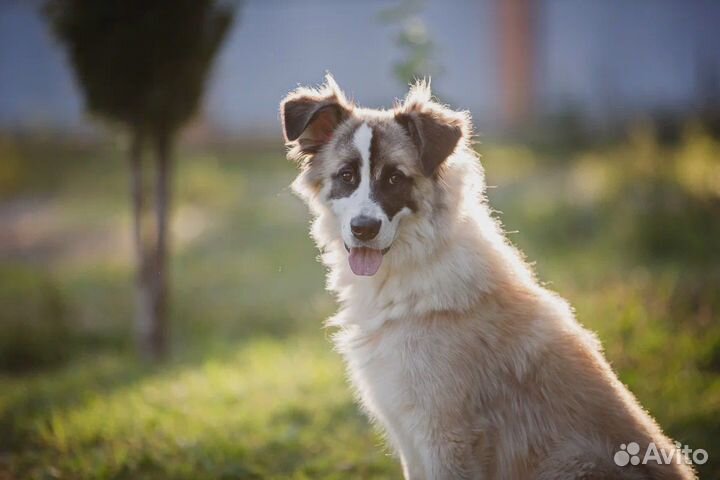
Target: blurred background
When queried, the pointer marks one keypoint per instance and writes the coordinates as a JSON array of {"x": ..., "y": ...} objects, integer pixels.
[{"x": 161, "y": 305}]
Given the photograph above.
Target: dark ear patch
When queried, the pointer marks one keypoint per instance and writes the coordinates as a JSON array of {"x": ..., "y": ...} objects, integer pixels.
[
  {"x": 298, "y": 115},
  {"x": 310, "y": 123},
  {"x": 309, "y": 117},
  {"x": 434, "y": 135}
]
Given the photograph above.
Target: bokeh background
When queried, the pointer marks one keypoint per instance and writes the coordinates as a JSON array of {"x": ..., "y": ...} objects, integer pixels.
[{"x": 599, "y": 129}]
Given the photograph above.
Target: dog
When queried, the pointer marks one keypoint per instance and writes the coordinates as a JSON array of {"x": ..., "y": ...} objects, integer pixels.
[{"x": 471, "y": 368}]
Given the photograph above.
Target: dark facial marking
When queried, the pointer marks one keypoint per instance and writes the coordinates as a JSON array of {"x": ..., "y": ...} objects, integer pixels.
[
  {"x": 346, "y": 180},
  {"x": 391, "y": 189}
]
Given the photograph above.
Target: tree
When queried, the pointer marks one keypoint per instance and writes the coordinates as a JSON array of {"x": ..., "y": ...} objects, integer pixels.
[
  {"x": 142, "y": 65},
  {"x": 413, "y": 38}
]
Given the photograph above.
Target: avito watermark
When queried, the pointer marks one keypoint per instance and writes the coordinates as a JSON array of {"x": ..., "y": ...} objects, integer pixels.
[{"x": 630, "y": 455}]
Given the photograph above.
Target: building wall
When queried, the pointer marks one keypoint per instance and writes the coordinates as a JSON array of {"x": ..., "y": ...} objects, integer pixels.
[
  {"x": 619, "y": 58},
  {"x": 609, "y": 59}
]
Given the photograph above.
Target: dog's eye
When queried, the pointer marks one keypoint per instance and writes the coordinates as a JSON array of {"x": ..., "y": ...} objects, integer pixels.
[
  {"x": 347, "y": 175},
  {"x": 395, "y": 178}
]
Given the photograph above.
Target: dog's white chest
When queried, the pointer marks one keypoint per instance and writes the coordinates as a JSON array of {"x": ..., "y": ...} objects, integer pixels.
[
  {"x": 379, "y": 371},
  {"x": 386, "y": 373}
]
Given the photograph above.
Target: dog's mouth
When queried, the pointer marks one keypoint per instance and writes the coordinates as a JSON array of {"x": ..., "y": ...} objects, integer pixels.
[{"x": 365, "y": 261}]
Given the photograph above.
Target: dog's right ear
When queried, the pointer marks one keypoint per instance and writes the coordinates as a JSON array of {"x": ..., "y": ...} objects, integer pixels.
[
  {"x": 435, "y": 130},
  {"x": 309, "y": 117}
]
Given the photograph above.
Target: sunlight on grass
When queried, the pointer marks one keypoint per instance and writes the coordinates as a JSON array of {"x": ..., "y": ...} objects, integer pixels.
[
  {"x": 624, "y": 231},
  {"x": 265, "y": 409}
]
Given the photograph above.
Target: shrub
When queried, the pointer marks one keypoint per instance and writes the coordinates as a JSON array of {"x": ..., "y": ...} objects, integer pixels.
[{"x": 33, "y": 315}]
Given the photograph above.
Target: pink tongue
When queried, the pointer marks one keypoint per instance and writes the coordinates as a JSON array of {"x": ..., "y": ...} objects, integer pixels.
[{"x": 365, "y": 261}]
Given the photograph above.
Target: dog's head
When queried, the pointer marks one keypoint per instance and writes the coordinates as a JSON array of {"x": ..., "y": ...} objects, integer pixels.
[{"x": 369, "y": 169}]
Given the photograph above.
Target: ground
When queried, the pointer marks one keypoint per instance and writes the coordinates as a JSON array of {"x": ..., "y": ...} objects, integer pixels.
[{"x": 253, "y": 388}]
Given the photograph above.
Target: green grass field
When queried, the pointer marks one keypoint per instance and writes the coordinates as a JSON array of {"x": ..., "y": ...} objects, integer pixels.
[{"x": 629, "y": 233}]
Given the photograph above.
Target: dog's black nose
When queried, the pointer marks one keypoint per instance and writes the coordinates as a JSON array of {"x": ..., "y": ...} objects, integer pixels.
[{"x": 364, "y": 227}]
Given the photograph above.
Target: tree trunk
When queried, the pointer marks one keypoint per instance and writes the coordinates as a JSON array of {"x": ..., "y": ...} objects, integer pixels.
[
  {"x": 161, "y": 280},
  {"x": 517, "y": 50},
  {"x": 144, "y": 315}
]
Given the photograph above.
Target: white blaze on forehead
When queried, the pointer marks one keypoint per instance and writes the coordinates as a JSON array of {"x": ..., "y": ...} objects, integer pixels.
[
  {"x": 360, "y": 202},
  {"x": 362, "y": 140}
]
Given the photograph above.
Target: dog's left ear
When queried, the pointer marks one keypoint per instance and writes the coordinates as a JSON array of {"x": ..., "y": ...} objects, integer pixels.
[
  {"x": 309, "y": 117},
  {"x": 434, "y": 129}
]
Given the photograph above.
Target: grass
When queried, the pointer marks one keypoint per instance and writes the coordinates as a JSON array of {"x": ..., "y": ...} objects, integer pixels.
[
  {"x": 253, "y": 389},
  {"x": 265, "y": 408}
]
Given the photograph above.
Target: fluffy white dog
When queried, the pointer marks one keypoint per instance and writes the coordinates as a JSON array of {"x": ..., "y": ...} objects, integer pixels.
[{"x": 473, "y": 369}]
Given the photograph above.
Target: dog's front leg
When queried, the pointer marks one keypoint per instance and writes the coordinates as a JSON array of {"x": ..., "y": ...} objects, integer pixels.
[
  {"x": 412, "y": 470},
  {"x": 411, "y": 458},
  {"x": 448, "y": 459},
  {"x": 430, "y": 461},
  {"x": 427, "y": 454}
]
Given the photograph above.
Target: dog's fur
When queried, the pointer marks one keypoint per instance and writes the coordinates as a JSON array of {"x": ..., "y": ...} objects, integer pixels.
[{"x": 472, "y": 369}]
